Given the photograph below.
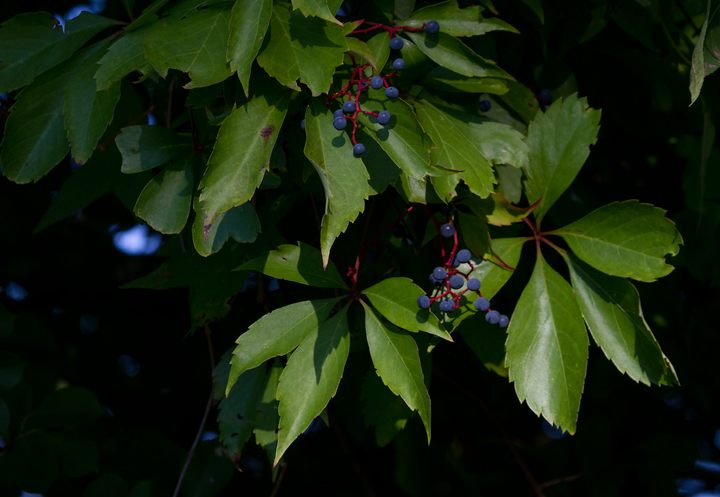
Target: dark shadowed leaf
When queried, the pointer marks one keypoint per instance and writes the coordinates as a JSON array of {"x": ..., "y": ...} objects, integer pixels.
[
  {"x": 209, "y": 471},
  {"x": 487, "y": 342},
  {"x": 456, "y": 21},
  {"x": 68, "y": 408},
  {"x": 383, "y": 410},
  {"x": 240, "y": 223},
  {"x": 124, "y": 56},
  {"x": 165, "y": 201},
  {"x": 442, "y": 78},
  {"x": 144, "y": 147}
]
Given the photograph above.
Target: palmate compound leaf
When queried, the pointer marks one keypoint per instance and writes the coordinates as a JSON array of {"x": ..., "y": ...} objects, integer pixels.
[
  {"x": 311, "y": 378},
  {"x": 611, "y": 308},
  {"x": 165, "y": 201},
  {"x": 547, "y": 348},
  {"x": 456, "y": 21},
  {"x": 395, "y": 356},
  {"x": 241, "y": 155},
  {"x": 196, "y": 44},
  {"x": 396, "y": 299},
  {"x": 402, "y": 139},
  {"x": 31, "y": 44},
  {"x": 306, "y": 49},
  {"x": 249, "y": 22},
  {"x": 453, "y": 54},
  {"x": 626, "y": 239},
  {"x": 276, "y": 334},
  {"x": 343, "y": 175},
  {"x": 88, "y": 111},
  {"x": 559, "y": 141},
  {"x": 301, "y": 264},
  {"x": 35, "y": 139},
  {"x": 144, "y": 147}
]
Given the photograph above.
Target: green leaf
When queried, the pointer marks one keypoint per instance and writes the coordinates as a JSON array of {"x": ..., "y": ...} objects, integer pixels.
[
  {"x": 547, "y": 348},
  {"x": 35, "y": 139},
  {"x": 487, "y": 342},
  {"x": 31, "y": 44},
  {"x": 144, "y": 147},
  {"x": 626, "y": 239},
  {"x": 302, "y": 49},
  {"x": 443, "y": 79},
  {"x": 311, "y": 378},
  {"x": 416, "y": 190},
  {"x": 317, "y": 8},
  {"x": 697, "y": 68},
  {"x": 402, "y": 139},
  {"x": 241, "y": 223},
  {"x": 209, "y": 472},
  {"x": 301, "y": 264},
  {"x": 457, "y": 149},
  {"x": 453, "y": 54},
  {"x": 78, "y": 455},
  {"x": 497, "y": 210},
  {"x": 11, "y": 368},
  {"x": 536, "y": 6},
  {"x": 396, "y": 299},
  {"x": 196, "y": 44},
  {"x": 357, "y": 47},
  {"x": 276, "y": 334},
  {"x": 519, "y": 98},
  {"x": 147, "y": 16},
  {"x": 382, "y": 170},
  {"x": 236, "y": 418},
  {"x": 30, "y": 463},
  {"x": 380, "y": 48},
  {"x": 456, "y": 21},
  {"x": 509, "y": 182},
  {"x": 88, "y": 111},
  {"x": 7, "y": 321},
  {"x": 106, "y": 485},
  {"x": 266, "y": 416},
  {"x": 395, "y": 356},
  {"x": 165, "y": 201},
  {"x": 124, "y": 56},
  {"x": 384, "y": 410},
  {"x": 241, "y": 154},
  {"x": 68, "y": 408},
  {"x": 249, "y": 22},
  {"x": 611, "y": 307},
  {"x": 343, "y": 175},
  {"x": 559, "y": 141}
]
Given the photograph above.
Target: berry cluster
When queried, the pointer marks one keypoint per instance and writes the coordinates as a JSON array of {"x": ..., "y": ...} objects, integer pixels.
[
  {"x": 449, "y": 278},
  {"x": 359, "y": 84}
]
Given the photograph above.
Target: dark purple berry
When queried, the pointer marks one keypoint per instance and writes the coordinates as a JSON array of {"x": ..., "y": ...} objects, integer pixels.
[
  {"x": 446, "y": 210},
  {"x": 485, "y": 105},
  {"x": 456, "y": 281},
  {"x": 423, "y": 302},
  {"x": 338, "y": 114},
  {"x": 446, "y": 305},
  {"x": 377, "y": 82},
  {"x": 396, "y": 43},
  {"x": 482, "y": 304},
  {"x": 392, "y": 92},
  {"x": 492, "y": 317},
  {"x": 432, "y": 27},
  {"x": 447, "y": 230},
  {"x": 504, "y": 321},
  {"x": 340, "y": 123},
  {"x": 383, "y": 117},
  {"x": 434, "y": 280},
  {"x": 358, "y": 149},
  {"x": 545, "y": 96},
  {"x": 348, "y": 107},
  {"x": 544, "y": 108},
  {"x": 464, "y": 256},
  {"x": 455, "y": 262},
  {"x": 302, "y": 124},
  {"x": 398, "y": 64},
  {"x": 473, "y": 284},
  {"x": 371, "y": 256},
  {"x": 439, "y": 273}
]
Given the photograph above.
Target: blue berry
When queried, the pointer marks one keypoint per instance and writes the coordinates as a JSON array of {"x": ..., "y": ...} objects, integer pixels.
[
  {"x": 492, "y": 317},
  {"x": 439, "y": 273},
  {"x": 485, "y": 105},
  {"x": 447, "y": 230},
  {"x": 302, "y": 124},
  {"x": 434, "y": 280},
  {"x": 456, "y": 281},
  {"x": 371, "y": 256},
  {"x": 464, "y": 256},
  {"x": 338, "y": 114},
  {"x": 398, "y": 64},
  {"x": 446, "y": 210},
  {"x": 544, "y": 108},
  {"x": 423, "y": 302},
  {"x": 455, "y": 262},
  {"x": 383, "y": 117},
  {"x": 545, "y": 96},
  {"x": 473, "y": 284},
  {"x": 377, "y": 82},
  {"x": 482, "y": 304},
  {"x": 396, "y": 43},
  {"x": 504, "y": 321},
  {"x": 446, "y": 305},
  {"x": 340, "y": 123},
  {"x": 392, "y": 92},
  {"x": 358, "y": 149},
  {"x": 349, "y": 106},
  {"x": 432, "y": 27}
]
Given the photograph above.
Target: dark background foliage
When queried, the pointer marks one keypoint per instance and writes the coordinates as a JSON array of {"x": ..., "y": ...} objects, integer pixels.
[{"x": 132, "y": 349}]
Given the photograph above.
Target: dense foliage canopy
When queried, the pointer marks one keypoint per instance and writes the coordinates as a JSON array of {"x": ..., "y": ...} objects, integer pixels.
[{"x": 313, "y": 213}]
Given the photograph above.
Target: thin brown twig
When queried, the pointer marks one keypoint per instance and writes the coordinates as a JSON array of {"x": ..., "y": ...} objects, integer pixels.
[
  {"x": 283, "y": 467},
  {"x": 562, "y": 480},
  {"x": 506, "y": 438}
]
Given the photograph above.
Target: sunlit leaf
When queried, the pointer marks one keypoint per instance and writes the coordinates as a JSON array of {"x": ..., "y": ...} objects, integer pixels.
[
  {"x": 165, "y": 201},
  {"x": 240, "y": 223},
  {"x": 249, "y": 22}
]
